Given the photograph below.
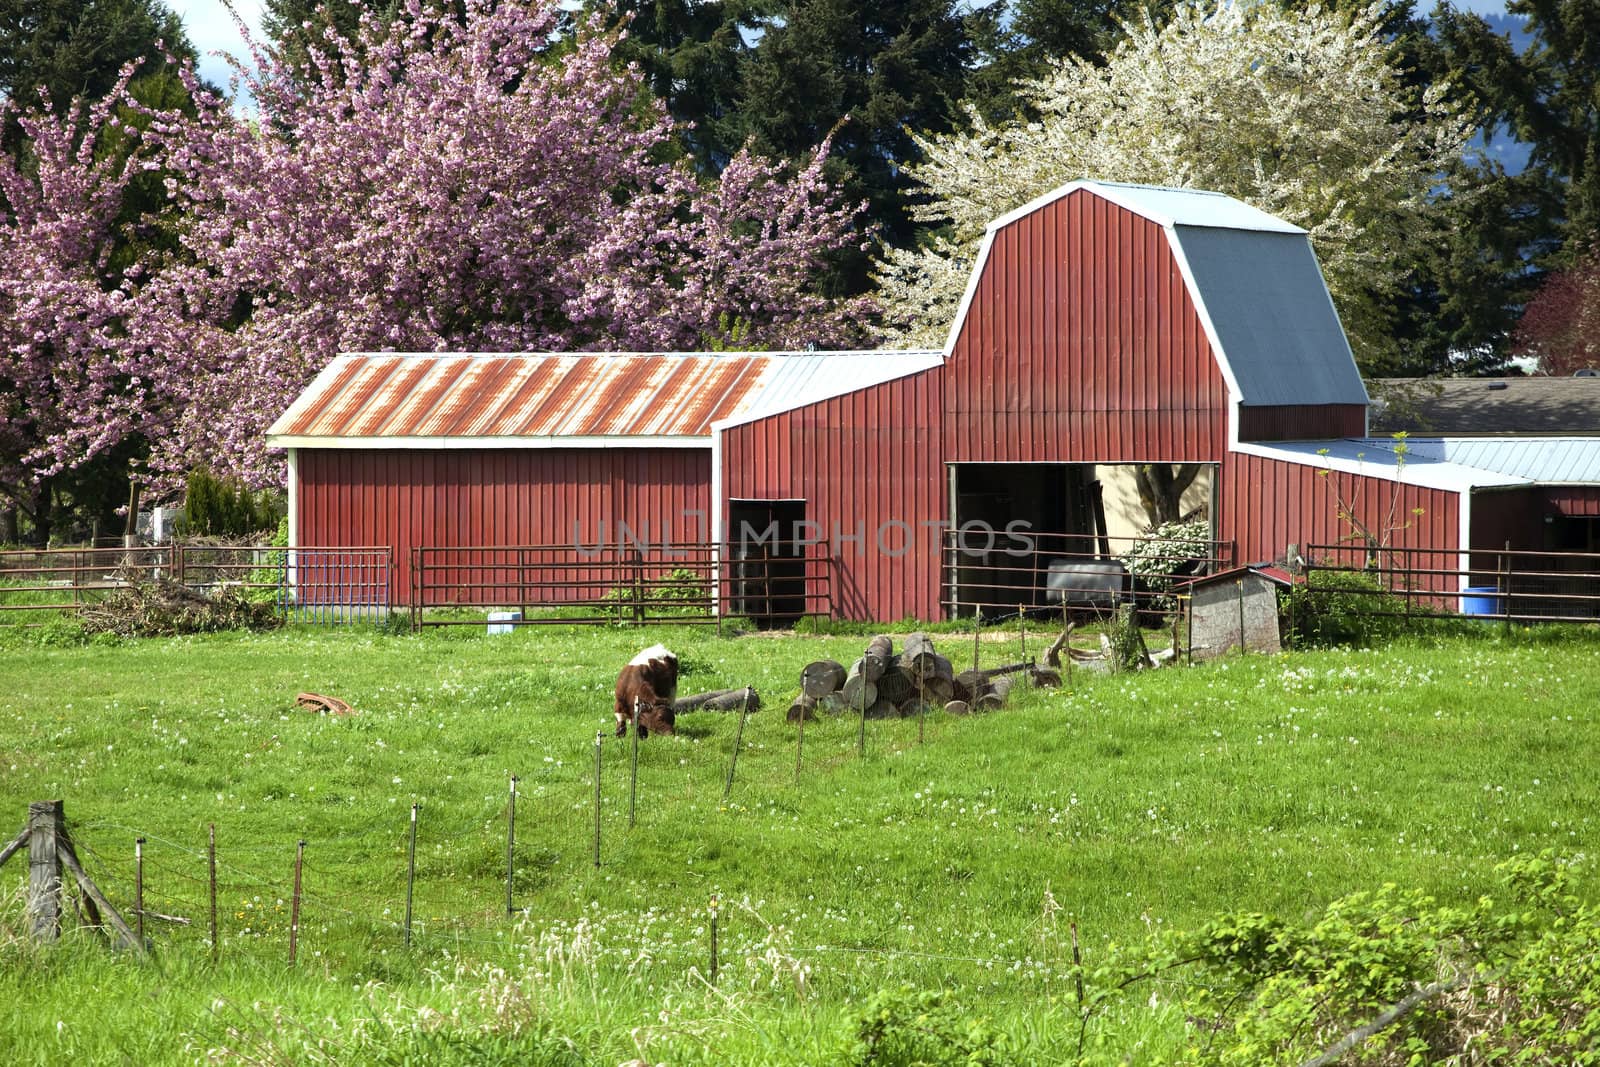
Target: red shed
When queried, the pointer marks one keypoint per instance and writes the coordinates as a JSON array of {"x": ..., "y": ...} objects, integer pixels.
[{"x": 449, "y": 450}]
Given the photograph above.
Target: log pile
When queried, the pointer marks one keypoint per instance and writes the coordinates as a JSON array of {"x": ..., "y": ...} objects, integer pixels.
[{"x": 882, "y": 685}]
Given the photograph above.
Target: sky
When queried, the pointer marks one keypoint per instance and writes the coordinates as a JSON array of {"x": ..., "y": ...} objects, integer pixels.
[{"x": 212, "y": 29}]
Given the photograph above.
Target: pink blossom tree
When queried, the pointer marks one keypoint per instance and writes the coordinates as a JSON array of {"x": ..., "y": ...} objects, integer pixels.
[
  {"x": 70, "y": 385},
  {"x": 463, "y": 183}
]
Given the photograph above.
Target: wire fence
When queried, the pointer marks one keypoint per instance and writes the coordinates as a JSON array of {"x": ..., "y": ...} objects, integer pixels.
[
  {"x": 471, "y": 871},
  {"x": 684, "y": 583},
  {"x": 1505, "y": 584}
]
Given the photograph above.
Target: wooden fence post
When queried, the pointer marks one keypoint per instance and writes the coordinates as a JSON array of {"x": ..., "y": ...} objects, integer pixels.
[
  {"x": 46, "y": 822},
  {"x": 49, "y": 850}
]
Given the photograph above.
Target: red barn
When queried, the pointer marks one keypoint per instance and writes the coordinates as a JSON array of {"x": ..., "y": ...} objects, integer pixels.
[{"x": 1104, "y": 324}]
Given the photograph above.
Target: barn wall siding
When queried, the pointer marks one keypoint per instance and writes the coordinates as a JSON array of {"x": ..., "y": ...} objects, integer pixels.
[
  {"x": 864, "y": 463},
  {"x": 480, "y": 497},
  {"x": 1302, "y": 422},
  {"x": 1269, "y": 504},
  {"x": 1082, "y": 346},
  {"x": 1574, "y": 501}
]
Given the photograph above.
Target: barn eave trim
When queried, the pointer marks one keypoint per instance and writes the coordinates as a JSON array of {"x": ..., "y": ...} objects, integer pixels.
[{"x": 495, "y": 442}]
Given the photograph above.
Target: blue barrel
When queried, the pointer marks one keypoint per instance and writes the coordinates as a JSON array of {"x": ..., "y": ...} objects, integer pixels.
[{"x": 1480, "y": 600}]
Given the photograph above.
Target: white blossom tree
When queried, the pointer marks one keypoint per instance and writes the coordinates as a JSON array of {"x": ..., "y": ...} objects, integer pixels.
[{"x": 1302, "y": 114}]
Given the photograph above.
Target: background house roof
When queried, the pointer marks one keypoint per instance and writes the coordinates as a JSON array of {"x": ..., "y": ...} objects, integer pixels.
[
  {"x": 1459, "y": 464},
  {"x": 1489, "y": 406}
]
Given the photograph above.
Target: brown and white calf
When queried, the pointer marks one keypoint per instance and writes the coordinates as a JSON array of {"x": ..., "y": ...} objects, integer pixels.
[{"x": 651, "y": 678}]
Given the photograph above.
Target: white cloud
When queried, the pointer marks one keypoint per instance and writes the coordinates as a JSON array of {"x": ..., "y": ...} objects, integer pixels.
[{"x": 212, "y": 29}]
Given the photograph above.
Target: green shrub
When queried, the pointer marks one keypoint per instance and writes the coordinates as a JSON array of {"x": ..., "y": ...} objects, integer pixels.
[
  {"x": 1341, "y": 608},
  {"x": 909, "y": 1027},
  {"x": 1513, "y": 979},
  {"x": 216, "y": 507}
]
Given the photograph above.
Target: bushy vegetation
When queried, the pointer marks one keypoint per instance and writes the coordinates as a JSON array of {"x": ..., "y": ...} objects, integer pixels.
[
  {"x": 1218, "y": 839},
  {"x": 223, "y": 507}
]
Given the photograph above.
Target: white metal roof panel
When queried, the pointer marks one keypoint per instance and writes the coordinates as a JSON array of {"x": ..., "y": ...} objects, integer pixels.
[
  {"x": 1164, "y": 206},
  {"x": 1459, "y": 464},
  {"x": 823, "y": 376}
]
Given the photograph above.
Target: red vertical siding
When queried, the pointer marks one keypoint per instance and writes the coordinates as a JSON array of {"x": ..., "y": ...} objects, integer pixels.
[
  {"x": 1574, "y": 501},
  {"x": 471, "y": 497},
  {"x": 1302, "y": 422},
  {"x": 1082, "y": 346},
  {"x": 868, "y": 466},
  {"x": 1269, "y": 504}
]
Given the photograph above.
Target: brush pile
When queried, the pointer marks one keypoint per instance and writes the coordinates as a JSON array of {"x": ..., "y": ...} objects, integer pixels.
[{"x": 159, "y": 607}]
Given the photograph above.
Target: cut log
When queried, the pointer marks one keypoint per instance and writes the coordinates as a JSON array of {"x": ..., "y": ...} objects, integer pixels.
[
  {"x": 326, "y": 705},
  {"x": 877, "y": 658},
  {"x": 833, "y": 703},
  {"x": 1002, "y": 687},
  {"x": 913, "y": 705},
  {"x": 719, "y": 700},
  {"x": 895, "y": 685},
  {"x": 969, "y": 685},
  {"x": 958, "y": 707},
  {"x": 882, "y": 709},
  {"x": 918, "y": 659},
  {"x": 858, "y": 690},
  {"x": 804, "y": 707},
  {"x": 988, "y": 701},
  {"x": 821, "y": 678}
]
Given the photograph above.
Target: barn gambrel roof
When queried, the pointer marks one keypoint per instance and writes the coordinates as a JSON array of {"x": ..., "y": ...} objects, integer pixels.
[{"x": 1255, "y": 284}]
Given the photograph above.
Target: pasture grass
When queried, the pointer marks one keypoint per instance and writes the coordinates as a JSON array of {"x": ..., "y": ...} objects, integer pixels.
[{"x": 955, "y": 854}]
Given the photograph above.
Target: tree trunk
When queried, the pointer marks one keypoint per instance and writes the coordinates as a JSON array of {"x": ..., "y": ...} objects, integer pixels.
[{"x": 1161, "y": 488}]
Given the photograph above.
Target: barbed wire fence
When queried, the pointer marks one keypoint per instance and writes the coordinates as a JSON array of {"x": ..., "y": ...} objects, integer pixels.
[{"x": 474, "y": 872}]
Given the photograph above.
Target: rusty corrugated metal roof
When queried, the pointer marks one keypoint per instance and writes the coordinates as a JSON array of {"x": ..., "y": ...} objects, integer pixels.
[{"x": 366, "y": 397}]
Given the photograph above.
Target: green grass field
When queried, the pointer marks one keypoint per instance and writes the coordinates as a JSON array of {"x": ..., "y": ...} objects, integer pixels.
[{"x": 955, "y": 855}]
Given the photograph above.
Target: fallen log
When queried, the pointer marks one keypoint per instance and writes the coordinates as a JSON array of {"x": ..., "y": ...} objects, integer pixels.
[
  {"x": 718, "y": 700},
  {"x": 821, "y": 678},
  {"x": 1052, "y": 655},
  {"x": 958, "y": 707}
]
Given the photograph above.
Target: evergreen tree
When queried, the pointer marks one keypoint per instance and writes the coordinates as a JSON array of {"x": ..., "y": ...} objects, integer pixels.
[
  {"x": 875, "y": 74},
  {"x": 77, "y": 48},
  {"x": 1548, "y": 96},
  {"x": 296, "y": 28}
]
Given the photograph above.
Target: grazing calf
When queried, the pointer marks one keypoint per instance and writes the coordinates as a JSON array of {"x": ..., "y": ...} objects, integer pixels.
[{"x": 651, "y": 677}]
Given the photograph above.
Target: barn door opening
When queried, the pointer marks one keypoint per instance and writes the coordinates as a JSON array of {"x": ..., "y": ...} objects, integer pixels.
[
  {"x": 1009, "y": 518},
  {"x": 766, "y": 544}
]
